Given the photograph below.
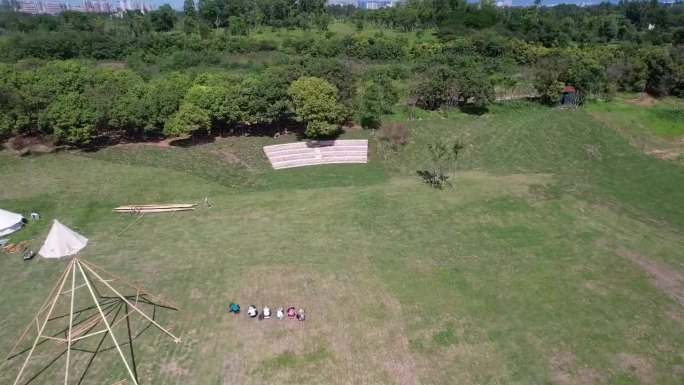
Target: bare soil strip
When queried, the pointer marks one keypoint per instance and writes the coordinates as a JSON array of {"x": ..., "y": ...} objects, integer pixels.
[{"x": 662, "y": 276}]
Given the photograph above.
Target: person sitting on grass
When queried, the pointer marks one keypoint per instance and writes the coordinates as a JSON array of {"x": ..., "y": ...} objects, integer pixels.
[
  {"x": 234, "y": 308},
  {"x": 267, "y": 312},
  {"x": 291, "y": 312},
  {"x": 280, "y": 314},
  {"x": 252, "y": 311},
  {"x": 302, "y": 315}
]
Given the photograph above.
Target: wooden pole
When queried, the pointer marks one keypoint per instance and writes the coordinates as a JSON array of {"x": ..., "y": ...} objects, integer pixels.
[
  {"x": 42, "y": 327},
  {"x": 104, "y": 319},
  {"x": 175, "y": 339},
  {"x": 71, "y": 324},
  {"x": 132, "y": 223},
  {"x": 127, "y": 282},
  {"x": 35, "y": 318}
]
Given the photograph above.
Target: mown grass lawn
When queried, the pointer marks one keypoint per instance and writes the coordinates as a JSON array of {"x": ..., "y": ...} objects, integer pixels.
[
  {"x": 654, "y": 126},
  {"x": 514, "y": 276},
  {"x": 663, "y": 118}
]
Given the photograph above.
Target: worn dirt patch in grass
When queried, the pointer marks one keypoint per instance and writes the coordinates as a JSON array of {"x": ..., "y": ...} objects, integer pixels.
[
  {"x": 643, "y": 101},
  {"x": 640, "y": 367},
  {"x": 174, "y": 368},
  {"x": 662, "y": 276},
  {"x": 676, "y": 314},
  {"x": 671, "y": 154},
  {"x": 566, "y": 371},
  {"x": 597, "y": 287}
]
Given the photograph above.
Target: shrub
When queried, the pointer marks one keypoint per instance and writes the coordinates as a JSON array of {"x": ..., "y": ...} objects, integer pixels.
[
  {"x": 320, "y": 129},
  {"x": 394, "y": 134},
  {"x": 73, "y": 119}
]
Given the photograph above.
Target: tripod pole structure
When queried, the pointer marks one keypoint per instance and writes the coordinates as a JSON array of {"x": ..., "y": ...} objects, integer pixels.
[
  {"x": 42, "y": 327},
  {"x": 76, "y": 331},
  {"x": 109, "y": 329}
]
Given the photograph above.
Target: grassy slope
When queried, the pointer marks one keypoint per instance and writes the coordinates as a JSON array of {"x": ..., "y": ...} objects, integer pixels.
[
  {"x": 511, "y": 277},
  {"x": 662, "y": 119},
  {"x": 560, "y": 142},
  {"x": 656, "y": 129}
]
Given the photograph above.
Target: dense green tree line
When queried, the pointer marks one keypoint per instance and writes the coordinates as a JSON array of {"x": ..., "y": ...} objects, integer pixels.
[
  {"x": 551, "y": 26},
  {"x": 75, "y": 102},
  {"x": 176, "y": 83}
]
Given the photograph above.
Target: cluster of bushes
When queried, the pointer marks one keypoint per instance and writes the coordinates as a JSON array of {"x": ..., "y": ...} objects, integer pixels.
[
  {"x": 118, "y": 46},
  {"x": 557, "y": 26},
  {"x": 357, "y": 46},
  {"x": 600, "y": 72}
]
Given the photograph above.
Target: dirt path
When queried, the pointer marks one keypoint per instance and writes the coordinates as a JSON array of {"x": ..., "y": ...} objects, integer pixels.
[
  {"x": 163, "y": 143},
  {"x": 662, "y": 276}
]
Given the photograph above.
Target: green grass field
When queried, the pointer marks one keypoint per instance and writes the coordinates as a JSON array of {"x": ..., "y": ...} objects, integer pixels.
[
  {"x": 663, "y": 118},
  {"x": 556, "y": 258},
  {"x": 654, "y": 126}
]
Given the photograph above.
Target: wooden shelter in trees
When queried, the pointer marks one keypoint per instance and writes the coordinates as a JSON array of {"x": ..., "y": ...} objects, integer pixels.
[
  {"x": 90, "y": 306},
  {"x": 570, "y": 97}
]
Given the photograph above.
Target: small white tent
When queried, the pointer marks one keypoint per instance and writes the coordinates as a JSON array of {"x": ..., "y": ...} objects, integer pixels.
[
  {"x": 10, "y": 222},
  {"x": 62, "y": 241}
]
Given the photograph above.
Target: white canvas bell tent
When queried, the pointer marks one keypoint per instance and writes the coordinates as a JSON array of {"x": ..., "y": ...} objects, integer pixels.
[
  {"x": 10, "y": 222},
  {"x": 62, "y": 242}
]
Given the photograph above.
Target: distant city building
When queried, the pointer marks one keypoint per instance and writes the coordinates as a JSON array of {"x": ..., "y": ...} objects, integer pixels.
[
  {"x": 373, "y": 4},
  {"x": 91, "y": 6},
  {"x": 53, "y": 8},
  {"x": 365, "y": 4},
  {"x": 27, "y": 7},
  {"x": 126, "y": 5},
  {"x": 504, "y": 3},
  {"x": 344, "y": 2}
]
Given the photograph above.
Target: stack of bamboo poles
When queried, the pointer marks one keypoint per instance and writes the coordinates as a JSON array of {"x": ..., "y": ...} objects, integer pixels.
[{"x": 162, "y": 208}]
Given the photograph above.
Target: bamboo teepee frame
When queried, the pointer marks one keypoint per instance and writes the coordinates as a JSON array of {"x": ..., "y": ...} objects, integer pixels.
[{"x": 76, "y": 268}]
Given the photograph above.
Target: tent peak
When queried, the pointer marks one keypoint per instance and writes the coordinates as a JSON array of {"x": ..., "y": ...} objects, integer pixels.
[{"x": 62, "y": 241}]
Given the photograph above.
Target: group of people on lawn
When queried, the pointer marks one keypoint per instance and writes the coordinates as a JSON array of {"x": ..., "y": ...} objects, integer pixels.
[{"x": 252, "y": 312}]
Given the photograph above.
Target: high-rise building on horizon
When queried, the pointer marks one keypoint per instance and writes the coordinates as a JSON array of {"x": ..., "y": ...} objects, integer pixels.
[
  {"x": 27, "y": 7},
  {"x": 55, "y": 8},
  {"x": 52, "y": 8}
]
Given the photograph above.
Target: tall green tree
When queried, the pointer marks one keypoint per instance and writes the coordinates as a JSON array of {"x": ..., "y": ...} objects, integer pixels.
[
  {"x": 316, "y": 103},
  {"x": 14, "y": 116},
  {"x": 264, "y": 97},
  {"x": 188, "y": 120},
  {"x": 137, "y": 22},
  {"x": 371, "y": 106},
  {"x": 165, "y": 95},
  {"x": 441, "y": 164},
  {"x": 190, "y": 20},
  {"x": 163, "y": 19},
  {"x": 220, "y": 102},
  {"x": 73, "y": 118}
]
